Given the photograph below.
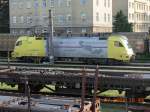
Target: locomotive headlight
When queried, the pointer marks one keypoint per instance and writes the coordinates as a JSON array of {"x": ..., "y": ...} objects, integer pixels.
[
  {"x": 15, "y": 54},
  {"x": 127, "y": 56}
]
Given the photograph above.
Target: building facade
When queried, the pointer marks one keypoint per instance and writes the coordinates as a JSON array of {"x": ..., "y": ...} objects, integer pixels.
[
  {"x": 137, "y": 11},
  {"x": 69, "y": 16}
]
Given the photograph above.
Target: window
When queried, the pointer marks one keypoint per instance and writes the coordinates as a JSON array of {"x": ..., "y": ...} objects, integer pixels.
[
  {"x": 82, "y": 2},
  {"x": 68, "y": 3},
  {"x": 97, "y": 16},
  {"x": 132, "y": 5},
  {"x": 14, "y": 4},
  {"x": 19, "y": 43},
  {"x": 44, "y": 3},
  {"x": 129, "y": 4},
  {"x": 132, "y": 16},
  {"x": 28, "y": 4},
  {"x": 20, "y": 5},
  {"x": 14, "y": 31},
  {"x": 68, "y": 17},
  {"x": 117, "y": 44},
  {"x": 21, "y": 19},
  {"x": 83, "y": 16},
  {"x": 97, "y": 2},
  {"x": 29, "y": 32},
  {"x": 36, "y": 4},
  {"x": 104, "y": 17},
  {"x": 60, "y": 3},
  {"x": 51, "y": 3},
  {"x": 14, "y": 19},
  {"x": 21, "y": 32},
  {"x": 83, "y": 30},
  {"x": 29, "y": 20},
  {"x": 108, "y": 3},
  {"x": 105, "y": 3},
  {"x": 108, "y": 17},
  {"x": 129, "y": 16},
  {"x": 69, "y": 30},
  {"x": 61, "y": 19}
]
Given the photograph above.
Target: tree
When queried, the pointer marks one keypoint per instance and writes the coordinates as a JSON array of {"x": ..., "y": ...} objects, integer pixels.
[
  {"x": 121, "y": 24},
  {"x": 4, "y": 17}
]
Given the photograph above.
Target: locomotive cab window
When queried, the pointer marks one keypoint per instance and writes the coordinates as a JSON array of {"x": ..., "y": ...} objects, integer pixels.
[
  {"x": 117, "y": 44},
  {"x": 19, "y": 43}
]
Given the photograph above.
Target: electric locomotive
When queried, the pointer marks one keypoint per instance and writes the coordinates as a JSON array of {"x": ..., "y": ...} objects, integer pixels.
[{"x": 114, "y": 48}]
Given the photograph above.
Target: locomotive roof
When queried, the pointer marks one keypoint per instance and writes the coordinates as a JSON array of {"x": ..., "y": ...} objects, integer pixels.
[
  {"x": 77, "y": 37},
  {"x": 101, "y": 38}
]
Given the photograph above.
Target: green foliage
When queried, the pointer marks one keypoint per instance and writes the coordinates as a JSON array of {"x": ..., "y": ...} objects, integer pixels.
[
  {"x": 121, "y": 24},
  {"x": 7, "y": 87},
  {"x": 112, "y": 93}
]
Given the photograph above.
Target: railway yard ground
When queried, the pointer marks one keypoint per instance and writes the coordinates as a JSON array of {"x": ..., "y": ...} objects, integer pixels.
[
  {"x": 51, "y": 104},
  {"x": 131, "y": 80},
  {"x": 44, "y": 104}
]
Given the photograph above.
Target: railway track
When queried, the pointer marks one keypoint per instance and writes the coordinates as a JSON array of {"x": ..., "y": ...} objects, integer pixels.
[
  {"x": 78, "y": 68},
  {"x": 104, "y": 99},
  {"x": 4, "y": 60},
  {"x": 112, "y": 70},
  {"x": 75, "y": 66}
]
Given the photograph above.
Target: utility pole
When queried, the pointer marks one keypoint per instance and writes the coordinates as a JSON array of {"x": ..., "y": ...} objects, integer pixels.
[{"x": 50, "y": 39}]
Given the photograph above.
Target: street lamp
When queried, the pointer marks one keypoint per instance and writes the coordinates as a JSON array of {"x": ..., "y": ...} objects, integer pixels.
[{"x": 50, "y": 39}]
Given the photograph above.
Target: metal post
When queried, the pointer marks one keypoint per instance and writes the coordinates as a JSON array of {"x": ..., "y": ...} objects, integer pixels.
[
  {"x": 27, "y": 92},
  {"x": 95, "y": 89},
  {"x": 126, "y": 103},
  {"x": 50, "y": 39},
  {"x": 8, "y": 60},
  {"x": 126, "y": 99},
  {"x": 29, "y": 102},
  {"x": 83, "y": 90}
]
